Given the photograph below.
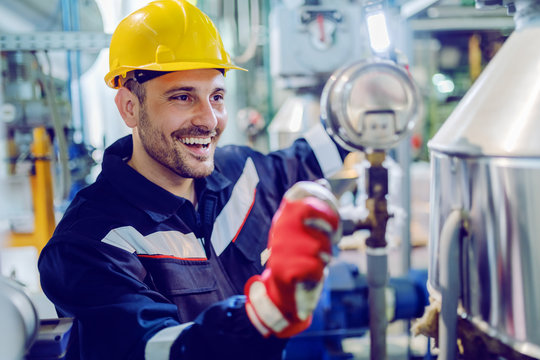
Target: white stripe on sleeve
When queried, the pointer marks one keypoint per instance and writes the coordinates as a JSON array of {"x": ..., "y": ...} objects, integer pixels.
[
  {"x": 325, "y": 150},
  {"x": 232, "y": 217},
  {"x": 170, "y": 243}
]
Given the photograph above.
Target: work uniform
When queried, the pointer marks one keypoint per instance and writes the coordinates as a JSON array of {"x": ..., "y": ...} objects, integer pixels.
[{"x": 146, "y": 273}]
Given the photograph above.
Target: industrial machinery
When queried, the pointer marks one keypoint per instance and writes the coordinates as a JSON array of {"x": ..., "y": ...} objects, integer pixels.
[
  {"x": 318, "y": 52},
  {"x": 371, "y": 105},
  {"x": 485, "y": 205},
  {"x": 40, "y": 116},
  {"x": 43, "y": 158},
  {"x": 343, "y": 311},
  {"x": 309, "y": 40},
  {"x": 24, "y": 336},
  {"x": 19, "y": 320}
]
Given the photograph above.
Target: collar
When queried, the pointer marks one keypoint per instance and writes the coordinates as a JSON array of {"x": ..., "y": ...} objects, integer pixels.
[{"x": 155, "y": 201}]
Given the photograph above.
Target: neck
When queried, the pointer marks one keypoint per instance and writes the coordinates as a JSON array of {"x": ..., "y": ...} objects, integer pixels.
[{"x": 164, "y": 177}]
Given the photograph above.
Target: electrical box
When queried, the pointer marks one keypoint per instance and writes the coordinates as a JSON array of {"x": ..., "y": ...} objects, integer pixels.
[{"x": 315, "y": 40}]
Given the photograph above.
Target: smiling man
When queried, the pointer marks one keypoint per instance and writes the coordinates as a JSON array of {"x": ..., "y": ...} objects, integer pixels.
[{"x": 182, "y": 249}]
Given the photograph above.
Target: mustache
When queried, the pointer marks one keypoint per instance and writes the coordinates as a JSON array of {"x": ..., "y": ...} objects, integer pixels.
[{"x": 195, "y": 131}]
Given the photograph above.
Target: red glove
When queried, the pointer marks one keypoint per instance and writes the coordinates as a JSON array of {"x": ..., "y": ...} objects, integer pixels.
[{"x": 281, "y": 300}]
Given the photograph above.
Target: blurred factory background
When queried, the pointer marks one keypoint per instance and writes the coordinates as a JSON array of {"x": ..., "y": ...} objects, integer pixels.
[{"x": 57, "y": 116}]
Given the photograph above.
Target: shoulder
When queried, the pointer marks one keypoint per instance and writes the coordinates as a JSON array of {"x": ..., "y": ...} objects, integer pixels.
[
  {"x": 234, "y": 160},
  {"x": 94, "y": 212}
]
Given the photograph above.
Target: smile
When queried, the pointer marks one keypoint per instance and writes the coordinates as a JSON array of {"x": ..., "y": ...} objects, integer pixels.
[{"x": 196, "y": 141}]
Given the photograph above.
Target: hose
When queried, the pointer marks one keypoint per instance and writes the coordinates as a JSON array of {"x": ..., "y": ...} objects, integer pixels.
[{"x": 50, "y": 97}]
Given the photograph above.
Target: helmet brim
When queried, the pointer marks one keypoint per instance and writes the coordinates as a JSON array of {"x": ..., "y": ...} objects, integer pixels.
[{"x": 110, "y": 78}]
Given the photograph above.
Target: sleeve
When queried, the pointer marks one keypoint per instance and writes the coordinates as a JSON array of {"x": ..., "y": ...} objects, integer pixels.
[
  {"x": 312, "y": 157},
  {"x": 118, "y": 316},
  {"x": 328, "y": 153}
]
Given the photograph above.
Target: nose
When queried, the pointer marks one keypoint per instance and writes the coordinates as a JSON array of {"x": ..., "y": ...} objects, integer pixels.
[{"x": 206, "y": 116}]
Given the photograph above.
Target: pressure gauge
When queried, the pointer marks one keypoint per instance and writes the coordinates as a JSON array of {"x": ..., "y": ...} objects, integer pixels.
[{"x": 370, "y": 105}]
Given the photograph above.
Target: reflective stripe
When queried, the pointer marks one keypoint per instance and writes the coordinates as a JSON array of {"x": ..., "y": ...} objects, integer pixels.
[
  {"x": 265, "y": 310},
  {"x": 159, "y": 345},
  {"x": 232, "y": 217},
  {"x": 169, "y": 243},
  {"x": 325, "y": 150},
  {"x": 256, "y": 321}
]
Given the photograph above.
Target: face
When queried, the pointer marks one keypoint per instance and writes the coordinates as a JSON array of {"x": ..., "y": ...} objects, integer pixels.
[{"x": 182, "y": 119}]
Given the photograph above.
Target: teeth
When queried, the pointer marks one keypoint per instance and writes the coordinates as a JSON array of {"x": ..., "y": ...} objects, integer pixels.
[{"x": 198, "y": 141}]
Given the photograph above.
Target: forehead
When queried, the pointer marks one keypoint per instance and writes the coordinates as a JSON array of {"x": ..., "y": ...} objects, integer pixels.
[{"x": 199, "y": 80}]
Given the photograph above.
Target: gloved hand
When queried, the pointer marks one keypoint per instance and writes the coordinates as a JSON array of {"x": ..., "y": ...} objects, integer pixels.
[{"x": 281, "y": 300}]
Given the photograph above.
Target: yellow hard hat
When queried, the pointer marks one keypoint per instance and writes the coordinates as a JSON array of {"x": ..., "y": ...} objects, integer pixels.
[{"x": 165, "y": 35}]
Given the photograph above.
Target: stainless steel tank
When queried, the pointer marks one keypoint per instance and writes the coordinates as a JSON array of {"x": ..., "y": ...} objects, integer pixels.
[{"x": 485, "y": 199}]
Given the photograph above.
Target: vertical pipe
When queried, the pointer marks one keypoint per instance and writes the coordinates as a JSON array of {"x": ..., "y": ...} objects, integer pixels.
[
  {"x": 75, "y": 24},
  {"x": 404, "y": 160},
  {"x": 70, "y": 22},
  {"x": 377, "y": 258},
  {"x": 450, "y": 248},
  {"x": 66, "y": 26},
  {"x": 270, "y": 113},
  {"x": 475, "y": 57},
  {"x": 377, "y": 278},
  {"x": 4, "y": 140}
]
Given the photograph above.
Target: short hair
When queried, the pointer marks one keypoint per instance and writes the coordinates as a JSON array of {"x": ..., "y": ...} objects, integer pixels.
[
  {"x": 137, "y": 89},
  {"x": 134, "y": 81}
]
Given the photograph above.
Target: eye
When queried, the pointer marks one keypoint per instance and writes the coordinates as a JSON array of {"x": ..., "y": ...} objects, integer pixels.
[
  {"x": 218, "y": 98},
  {"x": 181, "y": 97}
]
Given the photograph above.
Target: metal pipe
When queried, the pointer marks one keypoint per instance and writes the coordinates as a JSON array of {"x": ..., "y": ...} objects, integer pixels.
[
  {"x": 404, "y": 158},
  {"x": 450, "y": 274},
  {"x": 377, "y": 279},
  {"x": 377, "y": 261}
]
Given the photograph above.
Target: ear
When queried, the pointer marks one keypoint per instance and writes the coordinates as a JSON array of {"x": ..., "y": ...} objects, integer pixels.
[{"x": 128, "y": 106}]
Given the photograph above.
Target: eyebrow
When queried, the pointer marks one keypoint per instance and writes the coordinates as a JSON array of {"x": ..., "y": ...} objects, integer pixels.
[
  {"x": 190, "y": 89},
  {"x": 182, "y": 88}
]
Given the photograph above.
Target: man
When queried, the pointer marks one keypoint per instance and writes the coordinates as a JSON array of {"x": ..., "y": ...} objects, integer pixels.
[{"x": 160, "y": 257}]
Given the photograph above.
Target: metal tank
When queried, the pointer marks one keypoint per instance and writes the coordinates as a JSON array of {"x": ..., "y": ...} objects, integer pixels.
[{"x": 485, "y": 200}]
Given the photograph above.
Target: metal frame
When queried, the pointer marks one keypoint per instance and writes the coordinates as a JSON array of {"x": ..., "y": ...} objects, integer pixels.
[{"x": 60, "y": 40}]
